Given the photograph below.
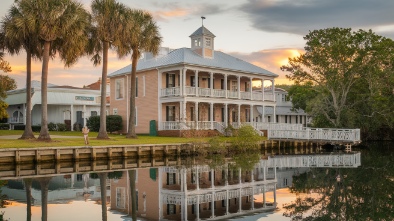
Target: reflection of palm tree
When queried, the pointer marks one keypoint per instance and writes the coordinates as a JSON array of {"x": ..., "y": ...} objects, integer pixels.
[
  {"x": 28, "y": 198},
  {"x": 103, "y": 188},
  {"x": 44, "y": 183},
  {"x": 132, "y": 174}
]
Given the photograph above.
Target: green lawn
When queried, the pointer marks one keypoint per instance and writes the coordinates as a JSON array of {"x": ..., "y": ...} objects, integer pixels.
[{"x": 79, "y": 141}]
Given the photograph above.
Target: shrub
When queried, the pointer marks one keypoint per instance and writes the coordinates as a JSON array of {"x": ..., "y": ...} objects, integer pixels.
[
  {"x": 114, "y": 123},
  {"x": 35, "y": 128},
  {"x": 19, "y": 127},
  {"x": 52, "y": 126},
  {"x": 77, "y": 127},
  {"x": 246, "y": 139},
  {"x": 4, "y": 126},
  {"x": 61, "y": 127},
  {"x": 93, "y": 123}
]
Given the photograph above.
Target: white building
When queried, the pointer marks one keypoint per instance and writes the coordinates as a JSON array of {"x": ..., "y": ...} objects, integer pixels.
[{"x": 66, "y": 104}]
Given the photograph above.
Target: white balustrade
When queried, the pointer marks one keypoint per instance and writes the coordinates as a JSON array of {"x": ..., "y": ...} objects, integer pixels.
[
  {"x": 171, "y": 91},
  {"x": 257, "y": 96},
  {"x": 268, "y": 97},
  {"x": 204, "y": 92},
  {"x": 245, "y": 95},
  {"x": 190, "y": 90},
  {"x": 232, "y": 94},
  {"x": 324, "y": 134},
  {"x": 219, "y": 93}
]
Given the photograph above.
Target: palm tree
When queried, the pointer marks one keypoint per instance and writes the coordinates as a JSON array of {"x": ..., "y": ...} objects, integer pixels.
[
  {"x": 133, "y": 198},
  {"x": 141, "y": 35},
  {"x": 18, "y": 34},
  {"x": 44, "y": 184},
  {"x": 4, "y": 65},
  {"x": 62, "y": 26},
  {"x": 103, "y": 189},
  {"x": 108, "y": 17}
]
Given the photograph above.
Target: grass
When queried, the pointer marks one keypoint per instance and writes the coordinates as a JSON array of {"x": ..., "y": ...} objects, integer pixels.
[{"x": 77, "y": 140}]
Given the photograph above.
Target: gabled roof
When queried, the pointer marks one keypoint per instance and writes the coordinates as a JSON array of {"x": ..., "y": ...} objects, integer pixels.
[
  {"x": 202, "y": 31},
  {"x": 186, "y": 56}
]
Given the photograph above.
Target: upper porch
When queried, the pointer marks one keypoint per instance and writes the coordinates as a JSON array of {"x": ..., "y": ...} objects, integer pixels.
[{"x": 186, "y": 82}]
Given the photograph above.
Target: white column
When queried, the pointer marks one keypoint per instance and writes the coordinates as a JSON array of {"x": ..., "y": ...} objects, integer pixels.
[
  {"x": 273, "y": 90},
  {"x": 239, "y": 86},
  {"x": 184, "y": 182},
  {"x": 252, "y": 198},
  {"x": 84, "y": 115},
  {"x": 275, "y": 173},
  {"x": 181, "y": 116},
  {"x": 184, "y": 111},
  {"x": 196, "y": 114},
  {"x": 213, "y": 205},
  {"x": 262, "y": 88},
  {"x": 24, "y": 113},
  {"x": 227, "y": 202},
  {"x": 239, "y": 175},
  {"x": 72, "y": 116},
  {"x": 240, "y": 200},
  {"x": 184, "y": 82},
  {"x": 181, "y": 82},
  {"x": 251, "y": 113},
  {"x": 264, "y": 178},
  {"x": 196, "y": 81},
  {"x": 263, "y": 114},
  {"x": 225, "y": 115},
  {"x": 197, "y": 179},
  {"x": 239, "y": 115},
  {"x": 211, "y": 117},
  {"x": 225, "y": 84},
  {"x": 251, "y": 88},
  {"x": 211, "y": 79},
  {"x": 212, "y": 178}
]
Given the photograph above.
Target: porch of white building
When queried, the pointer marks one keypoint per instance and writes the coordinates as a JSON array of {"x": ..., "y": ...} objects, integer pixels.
[{"x": 196, "y": 115}]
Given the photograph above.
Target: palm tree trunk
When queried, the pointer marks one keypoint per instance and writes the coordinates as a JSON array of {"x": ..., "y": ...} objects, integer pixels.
[
  {"x": 131, "y": 131},
  {"x": 44, "y": 133},
  {"x": 133, "y": 202},
  {"x": 102, "y": 134},
  {"x": 28, "y": 132},
  {"x": 103, "y": 188},
  {"x": 28, "y": 183},
  {"x": 44, "y": 183}
]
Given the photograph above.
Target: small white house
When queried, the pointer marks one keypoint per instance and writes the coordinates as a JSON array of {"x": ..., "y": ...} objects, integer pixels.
[
  {"x": 283, "y": 112},
  {"x": 66, "y": 104}
]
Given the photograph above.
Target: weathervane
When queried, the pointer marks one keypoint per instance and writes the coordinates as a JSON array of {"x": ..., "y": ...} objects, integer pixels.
[{"x": 202, "y": 20}]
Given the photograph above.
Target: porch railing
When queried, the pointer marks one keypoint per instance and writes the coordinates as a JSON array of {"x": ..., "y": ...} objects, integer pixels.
[
  {"x": 171, "y": 91},
  {"x": 326, "y": 134},
  {"x": 204, "y": 92},
  {"x": 245, "y": 95},
  {"x": 219, "y": 93},
  {"x": 232, "y": 94},
  {"x": 15, "y": 120}
]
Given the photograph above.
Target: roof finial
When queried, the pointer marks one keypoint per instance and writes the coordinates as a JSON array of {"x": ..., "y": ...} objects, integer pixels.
[{"x": 202, "y": 20}]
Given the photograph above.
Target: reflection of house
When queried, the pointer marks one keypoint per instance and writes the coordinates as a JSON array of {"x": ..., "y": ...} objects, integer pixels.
[
  {"x": 62, "y": 189},
  {"x": 283, "y": 111},
  {"x": 192, "y": 88},
  {"x": 65, "y": 104},
  {"x": 170, "y": 193}
]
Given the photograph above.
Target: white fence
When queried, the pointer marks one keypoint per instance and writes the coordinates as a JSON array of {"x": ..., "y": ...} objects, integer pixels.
[{"x": 317, "y": 134}]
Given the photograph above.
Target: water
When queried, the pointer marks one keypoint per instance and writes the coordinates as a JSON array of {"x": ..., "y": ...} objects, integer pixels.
[{"x": 332, "y": 185}]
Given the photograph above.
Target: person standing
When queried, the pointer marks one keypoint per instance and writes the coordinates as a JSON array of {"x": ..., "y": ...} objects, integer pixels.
[{"x": 85, "y": 131}]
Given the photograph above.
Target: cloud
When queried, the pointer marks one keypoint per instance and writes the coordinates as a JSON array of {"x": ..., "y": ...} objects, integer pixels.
[
  {"x": 271, "y": 60},
  {"x": 168, "y": 10},
  {"x": 298, "y": 17}
]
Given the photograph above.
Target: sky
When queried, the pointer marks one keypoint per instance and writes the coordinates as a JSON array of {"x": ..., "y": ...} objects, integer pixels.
[{"x": 263, "y": 32}]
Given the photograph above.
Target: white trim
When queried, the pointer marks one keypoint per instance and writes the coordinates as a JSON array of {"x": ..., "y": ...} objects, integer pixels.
[
  {"x": 119, "y": 91},
  {"x": 143, "y": 85}
]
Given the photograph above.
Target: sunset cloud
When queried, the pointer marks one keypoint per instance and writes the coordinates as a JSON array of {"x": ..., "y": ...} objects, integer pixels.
[{"x": 271, "y": 60}]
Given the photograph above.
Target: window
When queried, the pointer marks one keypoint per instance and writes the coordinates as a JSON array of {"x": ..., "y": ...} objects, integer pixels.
[
  {"x": 93, "y": 113},
  {"x": 170, "y": 178},
  {"x": 208, "y": 42},
  {"x": 170, "y": 112},
  {"x": 170, "y": 78},
  {"x": 234, "y": 85},
  {"x": 197, "y": 42},
  {"x": 300, "y": 119},
  {"x": 171, "y": 209},
  {"x": 115, "y": 111},
  {"x": 119, "y": 88},
  {"x": 120, "y": 197},
  {"x": 269, "y": 119},
  {"x": 191, "y": 113},
  {"x": 286, "y": 119}
]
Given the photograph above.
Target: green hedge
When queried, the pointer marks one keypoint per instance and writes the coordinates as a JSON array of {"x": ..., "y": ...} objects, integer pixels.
[{"x": 114, "y": 123}]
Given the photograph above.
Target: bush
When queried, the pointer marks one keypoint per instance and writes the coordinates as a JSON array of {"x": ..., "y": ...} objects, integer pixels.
[
  {"x": 52, "y": 127},
  {"x": 61, "y": 127},
  {"x": 35, "y": 128},
  {"x": 246, "y": 139},
  {"x": 4, "y": 126},
  {"x": 19, "y": 127},
  {"x": 114, "y": 123},
  {"x": 93, "y": 123}
]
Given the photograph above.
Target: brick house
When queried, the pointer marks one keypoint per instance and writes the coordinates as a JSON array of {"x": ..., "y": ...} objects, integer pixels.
[{"x": 193, "y": 88}]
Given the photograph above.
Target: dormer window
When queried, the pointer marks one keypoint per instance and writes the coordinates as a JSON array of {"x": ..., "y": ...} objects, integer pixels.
[
  {"x": 208, "y": 42},
  {"x": 197, "y": 42}
]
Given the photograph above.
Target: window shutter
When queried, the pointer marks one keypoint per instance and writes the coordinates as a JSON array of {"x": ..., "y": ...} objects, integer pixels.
[
  {"x": 166, "y": 113},
  {"x": 166, "y": 80}
]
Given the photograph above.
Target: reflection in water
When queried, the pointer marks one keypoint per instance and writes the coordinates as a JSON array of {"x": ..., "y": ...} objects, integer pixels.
[
  {"x": 365, "y": 193},
  {"x": 242, "y": 185}
]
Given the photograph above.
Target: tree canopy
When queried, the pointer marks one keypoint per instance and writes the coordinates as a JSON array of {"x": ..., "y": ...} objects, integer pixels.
[
  {"x": 345, "y": 79},
  {"x": 6, "y": 84}
]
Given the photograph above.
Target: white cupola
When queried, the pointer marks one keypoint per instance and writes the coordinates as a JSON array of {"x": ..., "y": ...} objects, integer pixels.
[{"x": 202, "y": 42}]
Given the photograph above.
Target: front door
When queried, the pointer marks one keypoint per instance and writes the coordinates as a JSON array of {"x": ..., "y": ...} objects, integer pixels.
[{"x": 80, "y": 118}]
